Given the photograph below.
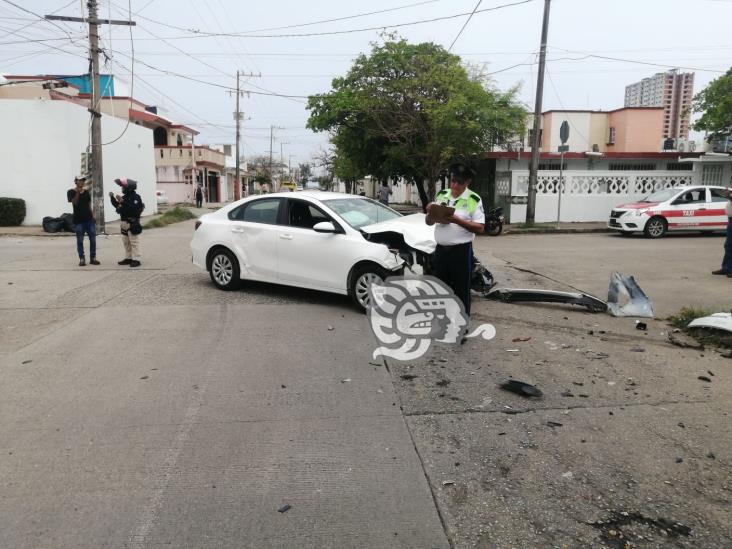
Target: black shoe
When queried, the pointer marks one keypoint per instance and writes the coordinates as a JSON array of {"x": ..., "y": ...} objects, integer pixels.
[
  {"x": 721, "y": 272},
  {"x": 124, "y": 262},
  {"x": 729, "y": 275},
  {"x": 94, "y": 261},
  {"x": 134, "y": 263},
  {"x": 82, "y": 263}
]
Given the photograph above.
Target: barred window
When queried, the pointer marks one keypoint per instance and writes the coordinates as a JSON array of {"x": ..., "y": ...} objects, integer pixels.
[
  {"x": 617, "y": 166},
  {"x": 551, "y": 166},
  {"x": 679, "y": 166}
]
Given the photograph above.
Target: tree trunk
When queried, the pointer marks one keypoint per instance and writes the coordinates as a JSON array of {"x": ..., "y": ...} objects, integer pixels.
[{"x": 423, "y": 197}]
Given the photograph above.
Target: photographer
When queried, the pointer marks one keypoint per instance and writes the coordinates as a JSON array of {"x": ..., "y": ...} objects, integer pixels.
[
  {"x": 129, "y": 206},
  {"x": 84, "y": 221}
]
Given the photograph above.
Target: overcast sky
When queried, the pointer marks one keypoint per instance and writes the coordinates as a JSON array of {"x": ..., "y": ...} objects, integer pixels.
[{"x": 691, "y": 34}]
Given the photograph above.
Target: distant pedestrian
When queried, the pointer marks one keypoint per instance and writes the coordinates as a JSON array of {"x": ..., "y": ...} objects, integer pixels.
[
  {"x": 727, "y": 258},
  {"x": 199, "y": 196},
  {"x": 84, "y": 221},
  {"x": 129, "y": 206},
  {"x": 383, "y": 194}
]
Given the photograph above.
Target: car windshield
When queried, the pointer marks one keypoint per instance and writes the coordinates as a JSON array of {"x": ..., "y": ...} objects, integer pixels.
[
  {"x": 359, "y": 212},
  {"x": 661, "y": 196}
]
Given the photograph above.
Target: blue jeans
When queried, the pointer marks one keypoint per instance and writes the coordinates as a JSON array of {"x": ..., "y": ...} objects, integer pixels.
[
  {"x": 727, "y": 260},
  {"x": 90, "y": 228}
]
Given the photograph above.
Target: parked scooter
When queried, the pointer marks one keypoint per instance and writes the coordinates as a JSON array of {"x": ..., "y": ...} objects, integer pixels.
[{"x": 494, "y": 221}]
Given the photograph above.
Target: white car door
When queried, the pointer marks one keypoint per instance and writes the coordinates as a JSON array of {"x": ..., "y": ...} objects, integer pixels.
[
  {"x": 717, "y": 219},
  {"x": 254, "y": 232},
  {"x": 688, "y": 209},
  {"x": 308, "y": 258}
]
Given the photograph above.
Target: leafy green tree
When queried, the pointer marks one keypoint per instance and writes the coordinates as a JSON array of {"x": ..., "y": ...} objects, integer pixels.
[
  {"x": 305, "y": 171},
  {"x": 715, "y": 102},
  {"x": 410, "y": 109}
]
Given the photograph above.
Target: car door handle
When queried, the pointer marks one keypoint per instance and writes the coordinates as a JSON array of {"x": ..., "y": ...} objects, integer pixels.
[
  {"x": 236, "y": 230},
  {"x": 286, "y": 236},
  {"x": 701, "y": 210}
]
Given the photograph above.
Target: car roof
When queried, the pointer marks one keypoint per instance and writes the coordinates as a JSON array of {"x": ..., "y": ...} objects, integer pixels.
[{"x": 315, "y": 195}]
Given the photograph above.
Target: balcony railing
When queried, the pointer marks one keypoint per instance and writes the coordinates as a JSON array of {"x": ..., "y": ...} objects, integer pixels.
[{"x": 185, "y": 155}]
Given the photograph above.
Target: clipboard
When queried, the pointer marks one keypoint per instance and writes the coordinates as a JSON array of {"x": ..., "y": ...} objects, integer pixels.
[{"x": 438, "y": 213}]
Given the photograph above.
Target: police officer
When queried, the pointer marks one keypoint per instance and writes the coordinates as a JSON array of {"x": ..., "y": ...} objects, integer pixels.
[
  {"x": 129, "y": 206},
  {"x": 454, "y": 237}
]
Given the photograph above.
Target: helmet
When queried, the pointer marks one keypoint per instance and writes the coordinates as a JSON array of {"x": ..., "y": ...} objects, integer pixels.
[{"x": 126, "y": 184}]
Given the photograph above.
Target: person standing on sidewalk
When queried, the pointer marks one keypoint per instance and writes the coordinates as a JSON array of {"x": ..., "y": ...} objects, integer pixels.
[
  {"x": 84, "y": 221},
  {"x": 727, "y": 258},
  {"x": 383, "y": 193},
  {"x": 199, "y": 196},
  {"x": 129, "y": 206},
  {"x": 454, "y": 252}
]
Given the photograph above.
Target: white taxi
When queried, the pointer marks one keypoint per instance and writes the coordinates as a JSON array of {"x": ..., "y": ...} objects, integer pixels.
[{"x": 692, "y": 208}]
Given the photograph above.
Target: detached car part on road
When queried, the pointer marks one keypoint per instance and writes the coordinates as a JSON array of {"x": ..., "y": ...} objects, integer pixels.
[
  {"x": 519, "y": 295},
  {"x": 693, "y": 208}
]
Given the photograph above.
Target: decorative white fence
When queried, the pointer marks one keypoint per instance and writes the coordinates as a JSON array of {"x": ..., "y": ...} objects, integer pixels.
[{"x": 586, "y": 195}]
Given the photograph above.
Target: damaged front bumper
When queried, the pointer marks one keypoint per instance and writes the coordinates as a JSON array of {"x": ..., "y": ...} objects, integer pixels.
[{"x": 518, "y": 295}]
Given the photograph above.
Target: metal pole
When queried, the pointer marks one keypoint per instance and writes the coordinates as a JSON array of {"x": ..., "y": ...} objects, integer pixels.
[
  {"x": 237, "y": 189},
  {"x": 271, "y": 142},
  {"x": 561, "y": 188},
  {"x": 536, "y": 141},
  {"x": 96, "y": 124}
]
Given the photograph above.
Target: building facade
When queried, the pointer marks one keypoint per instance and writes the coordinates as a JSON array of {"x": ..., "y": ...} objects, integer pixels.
[{"x": 672, "y": 90}]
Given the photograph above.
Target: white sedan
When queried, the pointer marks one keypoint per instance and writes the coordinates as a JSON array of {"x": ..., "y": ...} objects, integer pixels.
[
  {"x": 697, "y": 208},
  {"x": 332, "y": 242}
]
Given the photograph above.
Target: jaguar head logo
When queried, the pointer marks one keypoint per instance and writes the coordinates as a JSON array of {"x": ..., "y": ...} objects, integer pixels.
[{"x": 408, "y": 314}]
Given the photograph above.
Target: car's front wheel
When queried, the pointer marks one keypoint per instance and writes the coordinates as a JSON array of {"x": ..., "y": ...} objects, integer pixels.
[
  {"x": 224, "y": 269},
  {"x": 361, "y": 279},
  {"x": 656, "y": 227}
]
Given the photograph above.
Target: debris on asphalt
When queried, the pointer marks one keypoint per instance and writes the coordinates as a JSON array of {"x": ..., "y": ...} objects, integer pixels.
[
  {"x": 408, "y": 377},
  {"x": 719, "y": 321},
  {"x": 568, "y": 474},
  {"x": 442, "y": 359},
  {"x": 443, "y": 383},
  {"x": 518, "y": 339},
  {"x": 711, "y": 455},
  {"x": 683, "y": 344},
  {"x": 511, "y": 295},
  {"x": 26, "y": 362},
  {"x": 554, "y": 424},
  {"x": 346, "y": 380},
  {"x": 595, "y": 355},
  {"x": 512, "y": 350},
  {"x": 641, "y": 325},
  {"x": 284, "y": 508},
  {"x": 704, "y": 378},
  {"x": 283, "y": 386},
  {"x": 330, "y": 328},
  {"x": 679, "y": 460},
  {"x": 710, "y": 373},
  {"x": 448, "y": 482},
  {"x": 144, "y": 377},
  {"x": 566, "y": 394},
  {"x": 681, "y": 424},
  {"x": 521, "y": 388},
  {"x": 637, "y": 350},
  {"x": 626, "y": 287}
]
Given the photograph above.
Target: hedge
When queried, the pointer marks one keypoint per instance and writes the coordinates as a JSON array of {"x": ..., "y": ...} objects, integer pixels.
[{"x": 12, "y": 211}]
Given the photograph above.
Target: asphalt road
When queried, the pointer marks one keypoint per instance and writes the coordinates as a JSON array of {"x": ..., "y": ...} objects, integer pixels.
[{"x": 144, "y": 408}]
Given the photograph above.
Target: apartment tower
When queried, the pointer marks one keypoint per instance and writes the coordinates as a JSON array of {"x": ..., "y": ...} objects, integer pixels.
[{"x": 671, "y": 90}]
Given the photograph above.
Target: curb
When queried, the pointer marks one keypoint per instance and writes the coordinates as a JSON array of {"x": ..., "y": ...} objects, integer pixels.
[{"x": 557, "y": 231}]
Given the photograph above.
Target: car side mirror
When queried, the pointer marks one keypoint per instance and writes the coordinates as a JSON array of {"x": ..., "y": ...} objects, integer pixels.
[{"x": 324, "y": 227}]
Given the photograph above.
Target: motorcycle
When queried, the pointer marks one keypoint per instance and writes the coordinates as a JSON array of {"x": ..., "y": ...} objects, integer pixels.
[{"x": 494, "y": 221}]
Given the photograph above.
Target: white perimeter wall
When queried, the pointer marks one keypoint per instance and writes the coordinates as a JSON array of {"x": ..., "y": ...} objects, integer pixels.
[{"x": 41, "y": 143}]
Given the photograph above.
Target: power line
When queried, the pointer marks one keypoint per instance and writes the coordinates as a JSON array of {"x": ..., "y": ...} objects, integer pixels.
[
  {"x": 465, "y": 25},
  {"x": 348, "y": 31}
]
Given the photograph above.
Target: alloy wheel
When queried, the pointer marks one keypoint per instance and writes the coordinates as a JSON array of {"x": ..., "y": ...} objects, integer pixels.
[
  {"x": 222, "y": 269},
  {"x": 362, "y": 288}
]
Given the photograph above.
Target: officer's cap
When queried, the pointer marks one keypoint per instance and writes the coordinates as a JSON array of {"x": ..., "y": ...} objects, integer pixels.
[{"x": 461, "y": 171}]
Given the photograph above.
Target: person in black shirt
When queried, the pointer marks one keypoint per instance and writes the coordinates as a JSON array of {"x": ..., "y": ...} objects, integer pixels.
[
  {"x": 84, "y": 221},
  {"x": 199, "y": 196},
  {"x": 129, "y": 206}
]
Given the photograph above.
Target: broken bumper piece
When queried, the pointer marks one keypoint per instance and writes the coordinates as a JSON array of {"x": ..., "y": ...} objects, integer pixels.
[{"x": 514, "y": 295}]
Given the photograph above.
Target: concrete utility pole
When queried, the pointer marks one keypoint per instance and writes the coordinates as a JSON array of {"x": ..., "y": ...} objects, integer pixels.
[
  {"x": 96, "y": 126},
  {"x": 238, "y": 137},
  {"x": 536, "y": 138}
]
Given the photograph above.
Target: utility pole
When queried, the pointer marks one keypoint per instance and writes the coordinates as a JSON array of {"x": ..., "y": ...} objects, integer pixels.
[
  {"x": 96, "y": 124},
  {"x": 536, "y": 137},
  {"x": 238, "y": 137}
]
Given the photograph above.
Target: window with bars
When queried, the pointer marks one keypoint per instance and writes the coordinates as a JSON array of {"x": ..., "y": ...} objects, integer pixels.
[
  {"x": 625, "y": 167},
  {"x": 611, "y": 136},
  {"x": 679, "y": 166}
]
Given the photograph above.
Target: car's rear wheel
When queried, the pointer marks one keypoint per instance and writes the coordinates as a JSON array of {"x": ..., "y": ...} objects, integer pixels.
[
  {"x": 224, "y": 269},
  {"x": 656, "y": 227},
  {"x": 361, "y": 279}
]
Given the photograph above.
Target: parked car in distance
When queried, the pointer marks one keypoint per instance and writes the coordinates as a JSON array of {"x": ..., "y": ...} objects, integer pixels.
[
  {"x": 162, "y": 197},
  {"x": 690, "y": 208},
  {"x": 332, "y": 242},
  {"x": 312, "y": 186}
]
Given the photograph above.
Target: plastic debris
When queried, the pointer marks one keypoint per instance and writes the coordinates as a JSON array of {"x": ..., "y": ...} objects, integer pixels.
[
  {"x": 554, "y": 424},
  {"x": 705, "y": 378},
  {"x": 521, "y": 388},
  {"x": 626, "y": 287},
  {"x": 641, "y": 326},
  {"x": 521, "y": 339},
  {"x": 719, "y": 321},
  {"x": 284, "y": 508}
]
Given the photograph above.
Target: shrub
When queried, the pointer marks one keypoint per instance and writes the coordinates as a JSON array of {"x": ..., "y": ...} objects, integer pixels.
[
  {"x": 175, "y": 215},
  {"x": 12, "y": 211}
]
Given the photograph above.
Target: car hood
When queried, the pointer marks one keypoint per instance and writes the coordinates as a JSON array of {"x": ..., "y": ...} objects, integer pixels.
[
  {"x": 417, "y": 234},
  {"x": 637, "y": 205}
]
